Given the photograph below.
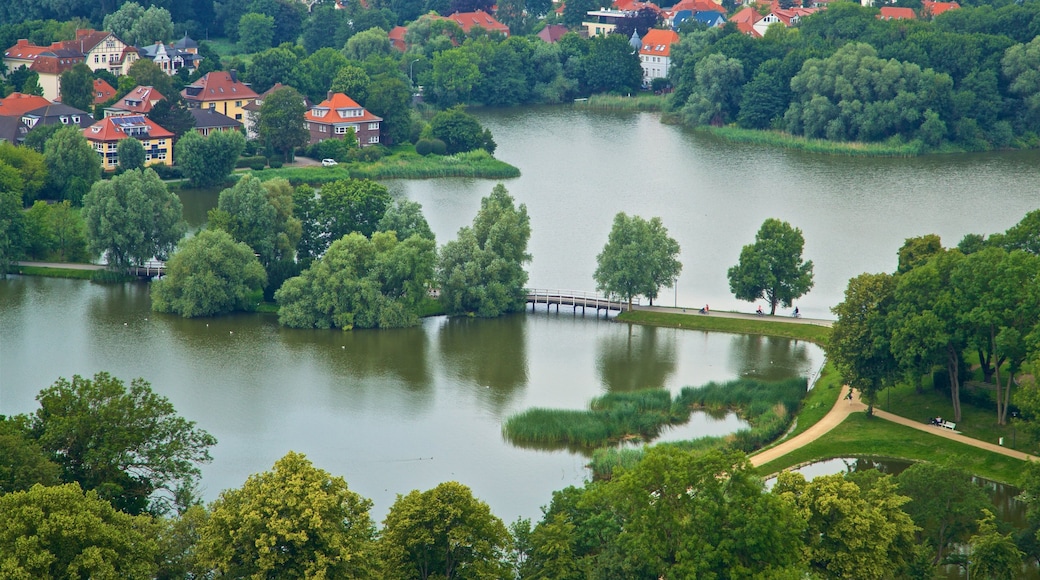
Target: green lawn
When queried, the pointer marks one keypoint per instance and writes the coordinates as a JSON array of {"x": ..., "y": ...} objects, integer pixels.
[
  {"x": 764, "y": 326},
  {"x": 860, "y": 436}
]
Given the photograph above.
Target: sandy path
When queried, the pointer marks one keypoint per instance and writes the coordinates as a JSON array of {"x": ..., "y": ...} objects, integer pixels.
[{"x": 841, "y": 409}]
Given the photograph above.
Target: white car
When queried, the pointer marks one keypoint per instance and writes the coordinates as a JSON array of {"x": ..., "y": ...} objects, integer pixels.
[{"x": 328, "y": 162}]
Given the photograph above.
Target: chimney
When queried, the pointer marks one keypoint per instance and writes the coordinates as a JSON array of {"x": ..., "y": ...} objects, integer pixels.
[
  {"x": 234, "y": 75},
  {"x": 330, "y": 95},
  {"x": 22, "y": 42}
]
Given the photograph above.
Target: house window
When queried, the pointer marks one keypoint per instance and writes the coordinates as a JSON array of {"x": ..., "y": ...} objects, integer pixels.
[
  {"x": 162, "y": 156},
  {"x": 212, "y": 106},
  {"x": 64, "y": 120},
  {"x": 97, "y": 58},
  {"x": 75, "y": 118},
  {"x": 238, "y": 103},
  {"x": 147, "y": 157},
  {"x": 238, "y": 116},
  {"x": 373, "y": 139},
  {"x": 341, "y": 130},
  {"x": 162, "y": 142},
  {"x": 323, "y": 128},
  {"x": 373, "y": 126}
]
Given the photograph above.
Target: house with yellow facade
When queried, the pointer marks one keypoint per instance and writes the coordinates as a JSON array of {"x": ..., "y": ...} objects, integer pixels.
[
  {"x": 220, "y": 91},
  {"x": 105, "y": 135}
]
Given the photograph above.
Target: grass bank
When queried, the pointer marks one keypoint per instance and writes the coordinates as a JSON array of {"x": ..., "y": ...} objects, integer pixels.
[
  {"x": 788, "y": 141},
  {"x": 70, "y": 273},
  {"x": 399, "y": 165},
  {"x": 769, "y": 326},
  {"x": 860, "y": 436},
  {"x": 639, "y": 102}
]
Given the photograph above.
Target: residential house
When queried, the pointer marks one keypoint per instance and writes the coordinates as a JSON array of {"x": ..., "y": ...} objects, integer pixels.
[
  {"x": 333, "y": 117},
  {"x": 655, "y": 53},
  {"x": 105, "y": 135},
  {"x": 102, "y": 91},
  {"x": 252, "y": 109},
  {"x": 208, "y": 121},
  {"x": 745, "y": 21},
  {"x": 187, "y": 45},
  {"x": 139, "y": 101},
  {"x": 54, "y": 114},
  {"x": 170, "y": 59},
  {"x": 17, "y": 104},
  {"x": 896, "y": 13},
  {"x": 396, "y": 36},
  {"x": 552, "y": 33},
  {"x": 686, "y": 9},
  {"x": 784, "y": 17},
  {"x": 933, "y": 9},
  {"x": 47, "y": 61},
  {"x": 470, "y": 20},
  {"x": 103, "y": 51},
  {"x": 12, "y": 130},
  {"x": 604, "y": 22},
  {"x": 222, "y": 92}
]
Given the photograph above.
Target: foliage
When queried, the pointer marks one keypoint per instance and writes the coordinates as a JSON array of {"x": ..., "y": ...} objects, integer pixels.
[
  {"x": 23, "y": 462},
  {"x": 772, "y": 267},
  {"x": 130, "y": 153},
  {"x": 295, "y": 521},
  {"x": 443, "y": 533},
  {"x": 209, "y": 274},
  {"x": 55, "y": 231},
  {"x": 859, "y": 343},
  {"x": 716, "y": 93},
  {"x": 611, "y": 66},
  {"x": 281, "y": 121},
  {"x": 72, "y": 165},
  {"x": 12, "y": 230},
  {"x": 482, "y": 270},
  {"x": 255, "y": 32},
  {"x": 271, "y": 66},
  {"x": 127, "y": 444},
  {"x": 993, "y": 555},
  {"x": 132, "y": 218},
  {"x": 851, "y": 532},
  {"x": 638, "y": 259},
  {"x": 461, "y": 131},
  {"x": 361, "y": 283},
  {"x": 138, "y": 26},
  {"x": 208, "y": 161},
  {"x": 245, "y": 212},
  {"x": 30, "y": 165},
  {"x": 147, "y": 73},
  {"x": 405, "y": 217},
  {"x": 344, "y": 206},
  {"x": 77, "y": 87},
  {"x": 367, "y": 44},
  {"x": 172, "y": 114},
  {"x": 944, "y": 502},
  {"x": 314, "y": 74},
  {"x": 62, "y": 532}
]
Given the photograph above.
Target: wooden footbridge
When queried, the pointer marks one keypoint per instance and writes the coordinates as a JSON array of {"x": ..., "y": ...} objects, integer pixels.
[
  {"x": 149, "y": 269},
  {"x": 575, "y": 299}
]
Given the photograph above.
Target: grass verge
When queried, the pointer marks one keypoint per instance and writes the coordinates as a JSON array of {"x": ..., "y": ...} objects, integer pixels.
[
  {"x": 771, "y": 326},
  {"x": 859, "y": 436}
]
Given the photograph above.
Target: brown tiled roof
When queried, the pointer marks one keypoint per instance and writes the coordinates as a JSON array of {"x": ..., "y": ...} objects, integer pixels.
[
  {"x": 109, "y": 128},
  {"x": 396, "y": 36},
  {"x": 217, "y": 86},
  {"x": 936, "y": 8},
  {"x": 658, "y": 42},
  {"x": 86, "y": 40},
  {"x": 552, "y": 32},
  {"x": 102, "y": 91},
  {"x": 139, "y": 100},
  {"x": 17, "y": 104},
  {"x": 336, "y": 102},
  {"x": 469, "y": 20},
  {"x": 748, "y": 15},
  {"x": 896, "y": 13}
]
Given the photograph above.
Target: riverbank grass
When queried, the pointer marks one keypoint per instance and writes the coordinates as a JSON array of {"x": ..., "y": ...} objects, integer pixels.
[
  {"x": 404, "y": 163},
  {"x": 789, "y": 141},
  {"x": 770, "y": 326},
  {"x": 53, "y": 272},
  {"x": 638, "y": 102},
  {"x": 860, "y": 436}
]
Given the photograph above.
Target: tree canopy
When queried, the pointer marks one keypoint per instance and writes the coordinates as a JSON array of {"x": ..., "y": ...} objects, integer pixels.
[
  {"x": 72, "y": 165},
  {"x": 638, "y": 259},
  {"x": 281, "y": 121},
  {"x": 772, "y": 268},
  {"x": 208, "y": 161}
]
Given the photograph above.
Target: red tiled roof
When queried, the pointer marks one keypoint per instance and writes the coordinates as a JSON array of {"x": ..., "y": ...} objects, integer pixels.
[
  {"x": 748, "y": 16},
  {"x": 696, "y": 6},
  {"x": 218, "y": 86},
  {"x": 896, "y": 13},
  {"x": 139, "y": 100},
  {"x": 17, "y": 104},
  {"x": 552, "y": 32},
  {"x": 658, "y": 42},
  {"x": 635, "y": 5},
  {"x": 936, "y": 8},
  {"x": 102, "y": 91},
  {"x": 107, "y": 129},
  {"x": 469, "y": 20},
  {"x": 86, "y": 39},
  {"x": 748, "y": 29},
  {"x": 396, "y": 36},
  {"x": 336, "y": 102}
]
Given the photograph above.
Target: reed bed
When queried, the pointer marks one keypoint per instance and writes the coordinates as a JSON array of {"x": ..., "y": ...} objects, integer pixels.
[
  {"x": 640, "y": 102},
  {"x": 404, "y": 165},
  {"x": 779, "y": 139}
]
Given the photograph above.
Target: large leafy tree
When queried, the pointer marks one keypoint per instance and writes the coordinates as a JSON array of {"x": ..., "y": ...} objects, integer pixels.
[
  {"x": 443, "y": 533},
  {"x": 132, "y": 218},
  {"x": 361, "y": 282},
  {"x": 851, "y": 532},
  {"x": 172, "y": 114},
  {"x": 131, "y": 154},
  {"x": 314, "y": 74},
  {"x": 455, "y": 74},
  {"x": 295, "y": 521},
  {"x": 255, "y": 32},
  {"x": 271, "y": 66},
  {"x": 281, "y": 121},
  {"x": 611, "y": 66},
  {"x": 405, "y": 217},
  {"x": 772, "y": 268},
  {"x": 147, "y": 73},
  {"x": 209, "y": 274},
  {"x": 12, "y": 229},
  {"x": 62, "y": 532},
  {"x": 482, "y": 270},
  {"x": 944, "y": 502},
  {"x": 859, "y": 343},
  {"x": 716, "y": 92},
  {"x": 345, "y": 206},
  {"x": 77, "y": 87},
  {"x": 208, "y": 161},
  {"x": 31, "y": 167},
  {"x": 72, "y": 165},
  {"x": 23, "y": 462},
  {"x": 461, "y": 131},
  {"x": 638, "y": 259},
  {"x": 994, "y": 555},
  {"x": 127, "y": 444},
  {"x": 244, "y": 211},
  {"x": 390, "y": 98}
]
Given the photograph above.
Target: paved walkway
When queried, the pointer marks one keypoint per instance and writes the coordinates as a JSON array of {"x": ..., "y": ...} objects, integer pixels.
[
  {"x": 61, "y": 265},
  {"x": 940, "y": 432},
  {"x": 727, "y": 314}
]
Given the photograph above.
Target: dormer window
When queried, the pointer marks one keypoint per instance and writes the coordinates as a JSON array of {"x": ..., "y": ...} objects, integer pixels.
[{"x": 95, "y": 129}]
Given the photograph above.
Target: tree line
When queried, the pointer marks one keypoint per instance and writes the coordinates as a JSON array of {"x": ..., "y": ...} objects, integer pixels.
[{"x": 100, "y": 481}]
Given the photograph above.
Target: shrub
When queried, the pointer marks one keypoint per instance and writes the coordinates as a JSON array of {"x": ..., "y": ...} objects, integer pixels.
[
  {"x": 275, "y": 164},
  {"x": 258, "y": 165},
  {"x": 251, "y": 162},
  {"x": 424, "y": 147},
  {"x": 439, "y": 147},
  {"x": 166, "y": 171}
]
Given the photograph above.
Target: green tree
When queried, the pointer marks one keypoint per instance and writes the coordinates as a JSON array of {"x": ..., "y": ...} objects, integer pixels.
[
  {"x": 37, "y": 138},
  {"x": 172, "y": 114},
  {"x": 314, "y": 74},
  {"x": 146, "y": 73},
  {"x": 209, "y": 274},
  {"x": 405, "y": 217},
  {"x": 611, "y": 66},
  {"x": 295, "y": 521},
  {"x": 178, "y": 545},
  {"x": 55, "y": 232},
  {"x": 208, "y": 161},
  {"x": 443, "y": 533},
  {"x": 361, "y": 283},
  {"x": 993, "y": 555},
  {"x": 132, "y": 218},
  {"x": 390, "y": 98},
  {"x": 345, "y": 206},
  {"x": 244, "y": 211},
  {"x": 944, "y": 502},
  {"x": 368, "y": 43},
  {"x": 61, "y": 532},
  {"x": 72, "y": 165},
  {"x": 122, "y": 20},
  {"x": 23, "y": 463},
  {"x": 271, "y": 66},
  {"x": 455, "y": 74},
  {"x": 851, "y": 532},
  {"x": 638, "y": 258},
  {"x": 31, "y": 167},
  {"x": 715, "y": 98},
  {"x": 12, "y": 230},
  {"x": 772, "y": 268},
  {"x": 460, "y": 131},
  {"x": 255, "y": 32},
  {"x": 1019, "y": 65},
  {"x": 482, "y": 270},
  {"x": 77, "y": 87},
  {"x": 352, "y": 81},
  {"x": 859, "y": 343},
  {"x": 38, "y": 238},
  {"x": 917, "y": 251},
  {"x": 130, "y": 153},
  {"x": 281, "y": 121},
  {"x": 155, "y": 24},
  {"x": 127, "y": 444}
]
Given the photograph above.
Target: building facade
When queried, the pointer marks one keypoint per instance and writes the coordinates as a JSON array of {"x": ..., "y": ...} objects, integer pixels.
[
  {"x": 104, "y": 136},
  {"x": 336, "y": 115}
]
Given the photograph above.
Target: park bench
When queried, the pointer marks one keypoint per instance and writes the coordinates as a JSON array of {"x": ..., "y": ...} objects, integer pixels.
[{"x": 948, "y": 425}]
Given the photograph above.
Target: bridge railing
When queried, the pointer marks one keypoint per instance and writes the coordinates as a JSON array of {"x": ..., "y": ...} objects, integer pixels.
[{"x": 577, "y": 298}]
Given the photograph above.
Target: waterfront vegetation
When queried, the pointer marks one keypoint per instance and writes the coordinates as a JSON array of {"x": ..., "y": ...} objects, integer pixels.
[
  {"x": 639, "y": 102},
  {"x": 70, "y": 273},
  {"x": 402, "y": 164},
  {"x": 772, "y": 326}
]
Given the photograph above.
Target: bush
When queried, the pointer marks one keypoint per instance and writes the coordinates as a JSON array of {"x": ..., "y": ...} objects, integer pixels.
[
  {"x": 369, "y": 154},
  {"x": 166, "y": 171},
  {"x": 251, "y": 162},
  {"x": 439, "y": 147},
  {"x": 258, "y": 165},
  {"x": 275, "y": 164},
  {"x": 424, "y": 147}
]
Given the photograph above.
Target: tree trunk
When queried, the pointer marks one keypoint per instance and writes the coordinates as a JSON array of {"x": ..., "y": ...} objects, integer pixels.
[
  {"x": 952, "y": 367},
  {"x": 984, "y": 363},
  {"x": 1001, "y": 411},
  {"x": 772, "y": 307}
]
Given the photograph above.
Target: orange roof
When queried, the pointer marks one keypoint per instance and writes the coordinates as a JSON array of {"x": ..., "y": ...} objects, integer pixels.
[
  {"x": 17, "y": 104},
  {"x": 748, "y": 16},
  {"x": 896, "y": 13},
  {"x": 748, "y": 29},
  {"x": 116, "y": 128},
  {"x": 217, "y": 86},
  {"x": 470, "y": 20},
  {"x": 937, "y": 8},
  {"x": 396, "y": 36},
  {"x": 696, "y": 6},
  {"x": 635, "y": 5},
  {"x": 139, "y": 100},
  {"x": 658, "y": 42},
  {"x": 338, "y": 102},
  {"x": 102, "y": 91}
]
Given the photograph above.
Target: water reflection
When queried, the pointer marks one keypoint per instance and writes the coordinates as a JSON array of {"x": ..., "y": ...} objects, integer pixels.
[
  {"x": 769, "y": 358},
  {"x": 488, "y": 354},
  {"x": 643, "y": 357}
]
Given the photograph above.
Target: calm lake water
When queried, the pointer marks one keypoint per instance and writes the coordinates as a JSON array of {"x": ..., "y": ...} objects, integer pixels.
[{"x": 393, "y": 411}]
